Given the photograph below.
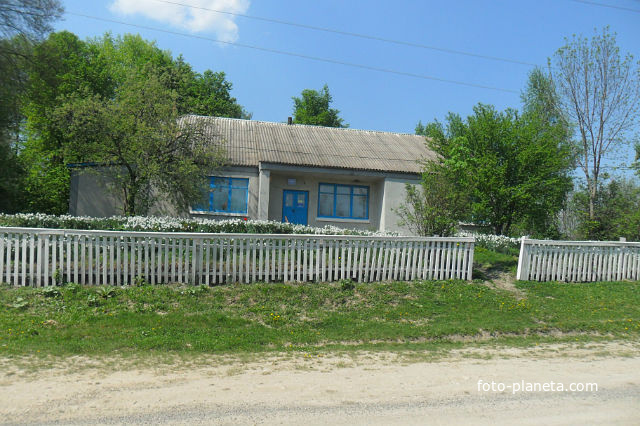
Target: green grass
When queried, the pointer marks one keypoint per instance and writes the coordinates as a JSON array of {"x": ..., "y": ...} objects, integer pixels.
[
  {"x": 488, "y": 264},
  {"x": 601, "y": 307},
  {"x": 288, "y": 317}
]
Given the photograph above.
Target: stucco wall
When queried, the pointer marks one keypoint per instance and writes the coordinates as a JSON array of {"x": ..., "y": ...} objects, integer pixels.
[
  {"x": 310, "y": 182},
  {"x": 91, "y": 196},
  {"x": 394, "y": 195}
]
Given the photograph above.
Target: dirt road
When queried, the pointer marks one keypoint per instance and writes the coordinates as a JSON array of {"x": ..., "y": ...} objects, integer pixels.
[{"x": 362, "y": 389}]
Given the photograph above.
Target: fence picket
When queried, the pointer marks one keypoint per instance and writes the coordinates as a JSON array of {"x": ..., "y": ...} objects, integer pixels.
[
  {"x": 24, "y": 260},
  {"x": 386, "y": 260},
  {"x": 335, "y": 259},
  {"x": 152, "y": 261},
  {"x": 304, "y": 260},
  {"x": 2, "y": 260},
  {"x": 367, "y": 263},
  {"x": 15, "y": 251},
  {"x": 7, "y": 262},
  {"x": 402, "y": 271}
]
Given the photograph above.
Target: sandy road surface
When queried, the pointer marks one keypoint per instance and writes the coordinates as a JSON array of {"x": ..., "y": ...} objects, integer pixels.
[{"x": 364, "y": 389}]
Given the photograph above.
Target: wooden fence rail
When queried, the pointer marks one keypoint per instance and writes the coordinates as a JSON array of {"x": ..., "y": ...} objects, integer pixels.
[
  {"x": 578, "y": 261},
  {"x": 42, "y": 257}
]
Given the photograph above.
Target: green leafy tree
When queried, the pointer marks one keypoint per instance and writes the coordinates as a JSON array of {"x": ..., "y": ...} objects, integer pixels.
[
  {"x": 12, "y": 81},
  {"x": 599, "y": 94},
  {"x": 21, "y": 23},
  {"x": 209, "y": 93},
  {"x": 60, "y": 66},
  {"x": 313, "y": 107},
  {"x": 543, "y": 118},
  {"x": 65, "y": 67},
  {"x": 11, "y": 179},
  {"x": 120, "y": 55},
  {"x": 511, "y": 167},
  {"x": 617, "y": 209},
  {"x": 151, "y": 153}
]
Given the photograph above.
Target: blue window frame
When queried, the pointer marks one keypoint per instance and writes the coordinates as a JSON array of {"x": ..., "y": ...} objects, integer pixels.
[
  {"x": 343, "y": 201},
  {"x": 226, "y": 195}
]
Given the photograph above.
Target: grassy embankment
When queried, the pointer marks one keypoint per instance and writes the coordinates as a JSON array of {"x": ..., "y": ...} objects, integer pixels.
[{"x": 314, "y": 317}]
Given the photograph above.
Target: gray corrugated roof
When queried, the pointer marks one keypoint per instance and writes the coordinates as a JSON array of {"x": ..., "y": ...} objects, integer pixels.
[{"x": 250, "y": 142}]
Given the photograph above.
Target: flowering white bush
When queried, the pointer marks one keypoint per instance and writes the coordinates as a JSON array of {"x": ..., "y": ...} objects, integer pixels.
[
  {"x": 171, "y": 224},
  {"x": 499, "y": 243}
]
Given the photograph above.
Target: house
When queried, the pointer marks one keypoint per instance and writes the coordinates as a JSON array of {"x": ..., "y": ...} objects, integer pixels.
[{"x": 293, "y": 173}]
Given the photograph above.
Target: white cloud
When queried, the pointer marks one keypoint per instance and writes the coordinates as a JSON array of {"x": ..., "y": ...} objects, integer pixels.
[{"x": 188, "y": 18}]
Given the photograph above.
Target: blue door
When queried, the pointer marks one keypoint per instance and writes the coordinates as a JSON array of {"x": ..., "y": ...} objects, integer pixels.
[{"x": 295, "y": 206}]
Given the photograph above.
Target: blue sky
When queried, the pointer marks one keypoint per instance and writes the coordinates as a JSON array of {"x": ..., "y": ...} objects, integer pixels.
[{"x": 525, "y": 30}]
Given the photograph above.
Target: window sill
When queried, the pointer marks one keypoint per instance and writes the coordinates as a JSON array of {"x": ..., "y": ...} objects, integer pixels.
[
  {"x": 340, "y": 219},
  {"x": 207, "y": 213}
]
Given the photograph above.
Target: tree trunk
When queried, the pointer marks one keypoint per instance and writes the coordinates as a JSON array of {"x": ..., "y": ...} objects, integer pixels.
[
  {"x": 592, "y": 199},
  {"x": 130, "y": 204},
  {"x": 130, "y": 197}
]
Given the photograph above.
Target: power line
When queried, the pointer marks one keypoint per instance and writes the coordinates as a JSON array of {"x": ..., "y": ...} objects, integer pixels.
[
  {"x": 300, "y": 55},
  {"x": 352, "y": 34},
  {"x": 593, "y": 3}
]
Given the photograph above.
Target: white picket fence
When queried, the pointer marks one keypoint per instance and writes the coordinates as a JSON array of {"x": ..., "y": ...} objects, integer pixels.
[
  {"x": 42, "y": 257},
  {"x": 578, "y": 261}
]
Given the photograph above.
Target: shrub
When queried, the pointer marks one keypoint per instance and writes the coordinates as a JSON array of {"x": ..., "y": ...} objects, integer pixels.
[
  {"x": 170, "y": 224},
  {"x": 497, "y": 243},
  {"x": 347, "y": 285}
]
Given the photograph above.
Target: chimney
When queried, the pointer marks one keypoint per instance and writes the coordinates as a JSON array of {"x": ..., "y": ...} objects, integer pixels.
[{"x": 289, "y": 121}]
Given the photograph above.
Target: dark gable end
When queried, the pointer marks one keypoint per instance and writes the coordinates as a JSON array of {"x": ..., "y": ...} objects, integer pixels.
[{"x": 251, "y": 142}]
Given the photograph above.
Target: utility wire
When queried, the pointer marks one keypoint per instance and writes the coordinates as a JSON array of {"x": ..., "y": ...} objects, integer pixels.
[
  {"x": 352, "y": 34},
  {"x": 593, "y": 3},
  {"x": 300, "y": 55}
]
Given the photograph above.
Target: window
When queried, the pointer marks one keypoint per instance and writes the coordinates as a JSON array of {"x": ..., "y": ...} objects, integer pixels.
[
  {"x": 343, "y": 201},
  {"x": 226, "y": 195}
]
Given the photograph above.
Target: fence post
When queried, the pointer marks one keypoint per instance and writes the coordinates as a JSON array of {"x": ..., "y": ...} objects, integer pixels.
[
  {"x": 519, "y": 275},
  {"x": 470, "y": 265}
]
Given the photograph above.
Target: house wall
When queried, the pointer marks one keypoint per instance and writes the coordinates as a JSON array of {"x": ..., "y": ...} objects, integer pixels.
[
  {"x": 394, "y": 195},
  {"x": 90, "y": 195},
  {"x": 310, "y": 182},
  {"x": 252, "y": 203},
  {"x": 386, "y": 193}
]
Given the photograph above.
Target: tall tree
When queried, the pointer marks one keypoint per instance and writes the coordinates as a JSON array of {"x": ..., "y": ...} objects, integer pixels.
[
  {"x": 65, "y": 67},
  {"x": 617, "y": 211},
  {"x": 28, "y": 18},
  {"x": 60, "y": 66},
  {"x": 599, "y": 92},
  {"x": 313, "y": 107},
  {"x": 22, "y": 22},
  {"x": 152, "y": 154},
  {"x": 540, "y": 106},
  {"x": 510, "y": 167},
  {"x": 209, "y": 93}
]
